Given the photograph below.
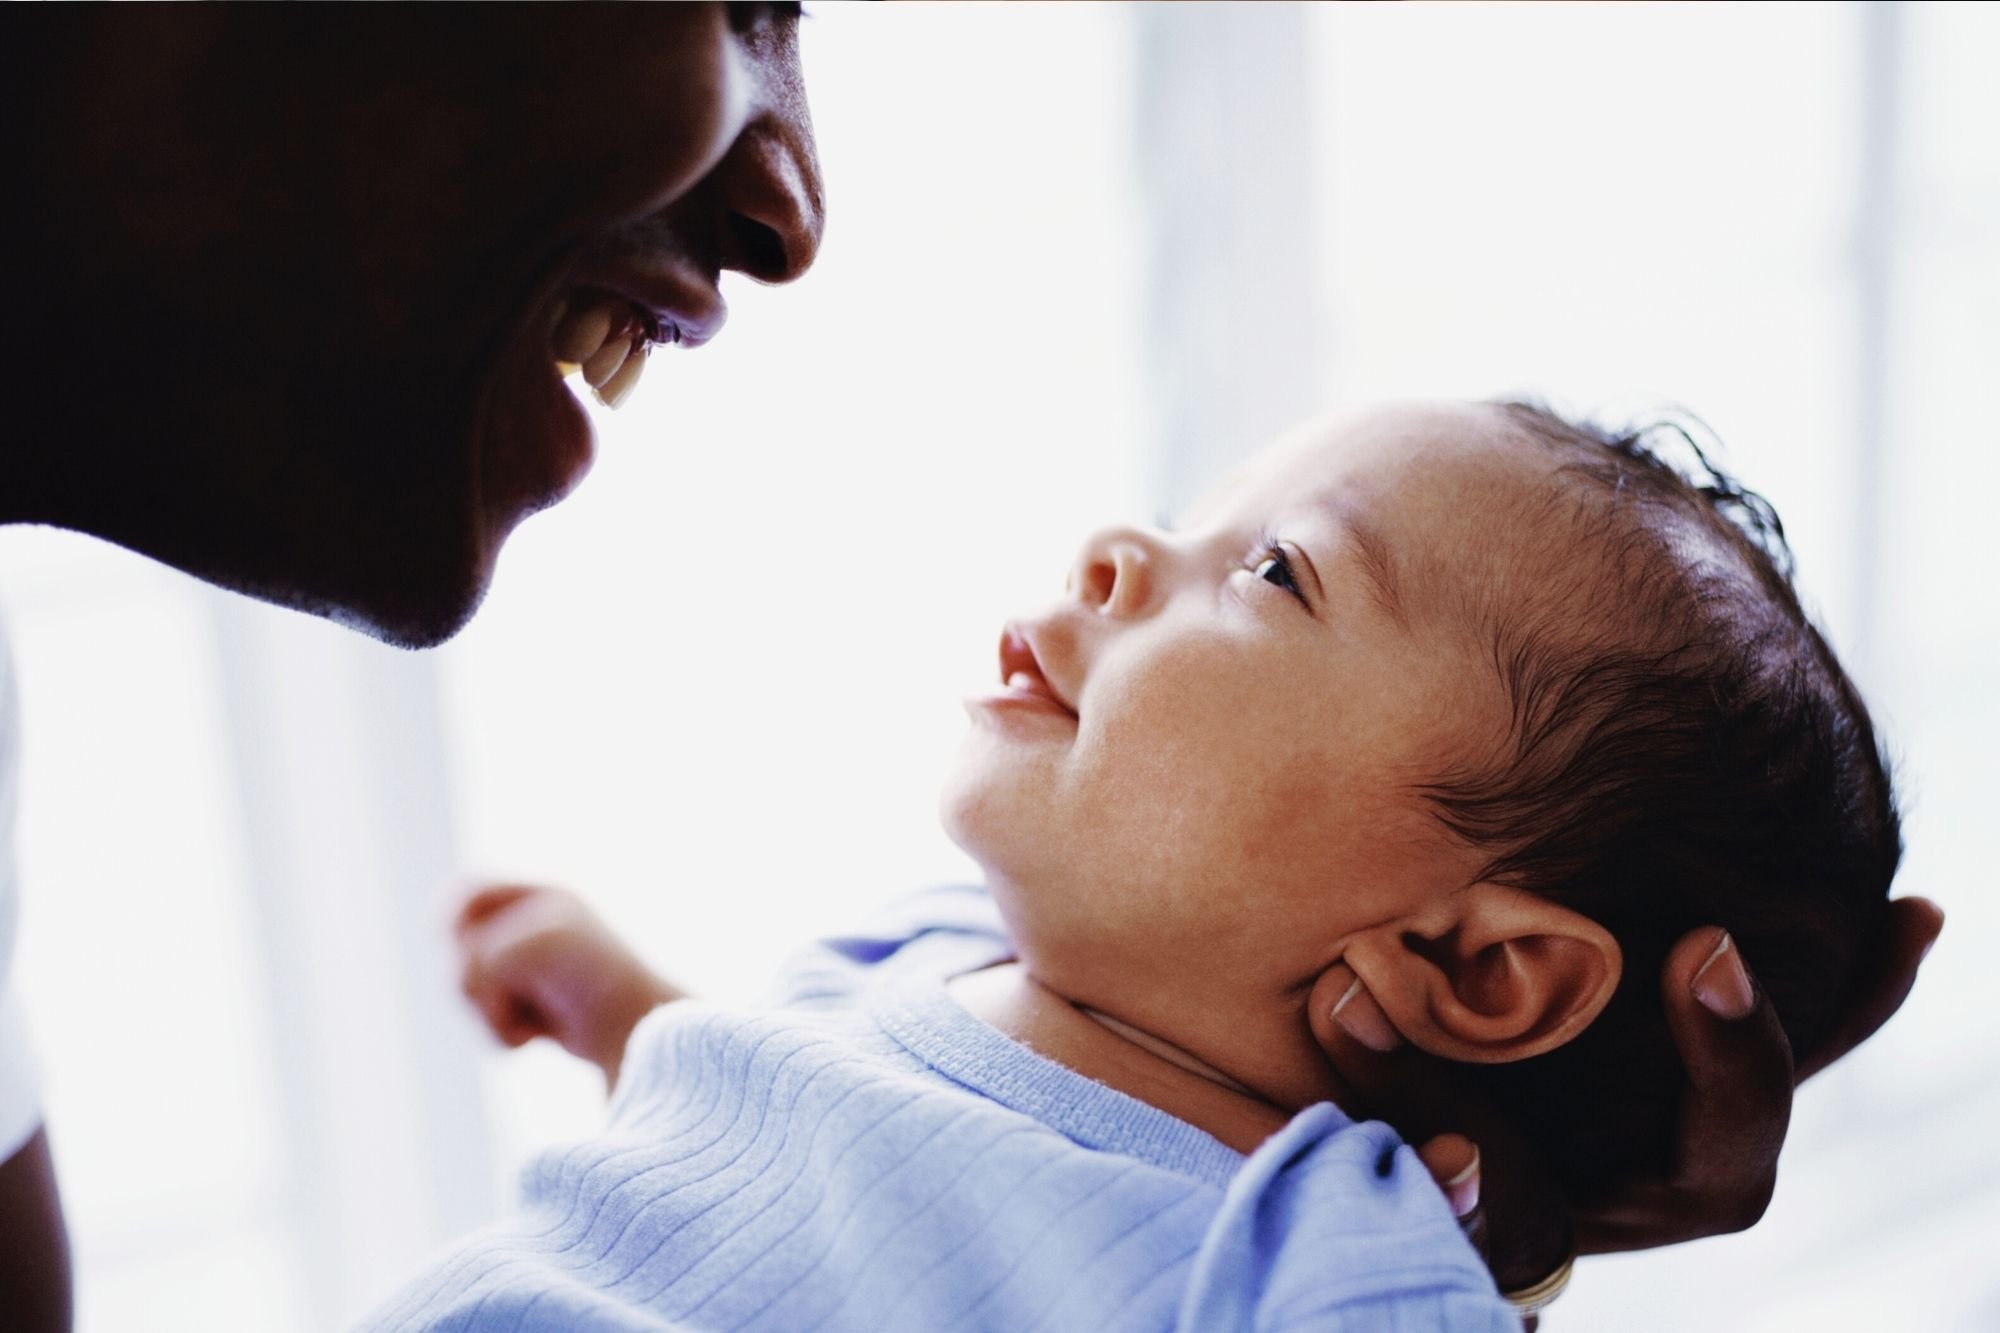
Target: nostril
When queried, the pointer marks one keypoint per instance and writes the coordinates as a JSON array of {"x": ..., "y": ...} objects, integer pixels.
[
  {"x": 1099, "y": 581},
  {"x": 760, "y": 250}
]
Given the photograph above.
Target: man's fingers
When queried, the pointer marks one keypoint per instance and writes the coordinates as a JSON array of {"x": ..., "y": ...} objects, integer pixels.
[
  {"x": 1360, "y": 1018},
  {"x": 1369, "y": 1059},
  {"x": 1526, "y": 1214},
  {"x": 1885, "y": 977},
  {"x": 1453, "y": 1161},
  {"x": 1738, "y": 1098},
  {"x": 1641, "y": 1217},
  {"x": 1730, "y": 1041}
]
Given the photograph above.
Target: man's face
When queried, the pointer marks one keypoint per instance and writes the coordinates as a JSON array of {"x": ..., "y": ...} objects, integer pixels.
[
  {"x": 1200, "y": 770},
  {"x": 334, "y": 247}
]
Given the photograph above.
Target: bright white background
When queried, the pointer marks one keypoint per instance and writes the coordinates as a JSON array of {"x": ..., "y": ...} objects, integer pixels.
[{"x": 1078, "y": 258}]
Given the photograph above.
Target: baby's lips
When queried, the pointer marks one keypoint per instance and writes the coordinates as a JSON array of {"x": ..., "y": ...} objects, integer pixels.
[{"x": 1018, "y": 657}]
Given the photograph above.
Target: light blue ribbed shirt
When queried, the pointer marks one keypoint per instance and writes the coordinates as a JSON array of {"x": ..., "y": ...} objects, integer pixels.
[{"x": 866, "y": 1155}]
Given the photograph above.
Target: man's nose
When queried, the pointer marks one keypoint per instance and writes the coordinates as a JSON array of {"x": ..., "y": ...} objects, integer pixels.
[
  {"x": 1118, "y": 571},
  {"x": 768, "y": 188}
]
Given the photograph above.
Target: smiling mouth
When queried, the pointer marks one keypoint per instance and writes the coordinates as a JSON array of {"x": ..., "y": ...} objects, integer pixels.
[
  {"x": 613, "y": 319},
  {"x": 607, "y": 339},
  {"x": 1021, "y": 671},
  {"x": 599, "y": 322}
]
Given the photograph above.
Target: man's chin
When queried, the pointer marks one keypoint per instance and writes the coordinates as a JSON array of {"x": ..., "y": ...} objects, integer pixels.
[
  {"x": 403, "y": 612},
  {"x": 406, "y": 627}
]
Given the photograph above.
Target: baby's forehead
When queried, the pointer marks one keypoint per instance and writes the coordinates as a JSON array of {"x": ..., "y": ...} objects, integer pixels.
[
  {"x": 1442, "y": 489},
  {"x": 1399, "y": 456},
  {"x": 1459, "y": 511}
]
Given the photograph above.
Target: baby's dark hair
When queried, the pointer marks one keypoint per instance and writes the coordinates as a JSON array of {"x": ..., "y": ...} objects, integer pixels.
[{"x": 1683, "y": 750}]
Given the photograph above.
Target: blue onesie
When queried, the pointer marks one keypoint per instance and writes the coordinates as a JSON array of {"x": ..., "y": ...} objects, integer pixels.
[{"x": 866, "y": 1155}]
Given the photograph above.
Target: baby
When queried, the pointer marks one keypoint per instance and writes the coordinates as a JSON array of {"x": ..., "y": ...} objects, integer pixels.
[{"x": 1463, "y": 708}]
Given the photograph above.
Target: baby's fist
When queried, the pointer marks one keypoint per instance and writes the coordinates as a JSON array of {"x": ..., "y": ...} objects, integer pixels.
[{"x": 538, "y": 963}]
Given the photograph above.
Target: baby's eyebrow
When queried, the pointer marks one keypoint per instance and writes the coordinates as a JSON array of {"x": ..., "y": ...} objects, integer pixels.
[{"x": 1376, "y": 559}]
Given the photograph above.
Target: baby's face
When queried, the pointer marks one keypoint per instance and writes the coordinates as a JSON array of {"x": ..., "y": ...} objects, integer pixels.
[{"x": 1197, "y": 774}]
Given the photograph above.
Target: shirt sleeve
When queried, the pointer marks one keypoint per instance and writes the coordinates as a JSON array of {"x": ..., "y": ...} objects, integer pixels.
[
  {"x": 953, "y": 929},
  {"x": 1334, "y": 1225}
]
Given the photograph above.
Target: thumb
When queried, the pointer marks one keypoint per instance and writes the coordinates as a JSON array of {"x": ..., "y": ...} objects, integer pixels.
[
  {"x": 1524, "y": 1211},
  {"x": 1382, "y": 1075},
  {"x": 1358, "y": 1016},
  {"x": 1453, "y": 1161}
]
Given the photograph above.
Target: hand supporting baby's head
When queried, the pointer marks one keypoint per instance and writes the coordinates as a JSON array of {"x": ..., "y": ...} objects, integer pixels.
[
  {"x": 1484, "y": 707},
  {"x": 1684, "y": 749}
]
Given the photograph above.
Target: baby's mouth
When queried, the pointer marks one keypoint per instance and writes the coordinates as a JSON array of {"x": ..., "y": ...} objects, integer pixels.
[
  {"x": 607, "y": 339},
  {"x": 1021, "y": 670}
]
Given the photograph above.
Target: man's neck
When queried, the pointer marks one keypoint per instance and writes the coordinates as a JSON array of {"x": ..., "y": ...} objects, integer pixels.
[{"x": 1137, "y": 1063}]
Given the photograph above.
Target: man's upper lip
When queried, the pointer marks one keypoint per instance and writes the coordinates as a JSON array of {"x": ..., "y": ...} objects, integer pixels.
[
  {"x": 685, "y": 305},
  {"x": 1018, "y": 653}
]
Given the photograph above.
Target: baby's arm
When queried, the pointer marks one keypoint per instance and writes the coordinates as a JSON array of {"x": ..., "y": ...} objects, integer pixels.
[{"x": 538, "y": 963}]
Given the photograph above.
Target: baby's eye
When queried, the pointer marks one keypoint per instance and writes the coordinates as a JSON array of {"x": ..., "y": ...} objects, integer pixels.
[{"x": 1276, "y": 567}]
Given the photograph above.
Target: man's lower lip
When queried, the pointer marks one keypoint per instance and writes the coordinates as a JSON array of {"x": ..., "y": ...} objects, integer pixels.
[
  {"x": 541, "y": 439},
  {"x": 561, "y": 443}
]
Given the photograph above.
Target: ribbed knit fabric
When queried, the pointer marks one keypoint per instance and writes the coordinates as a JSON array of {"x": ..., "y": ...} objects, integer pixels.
[{"x": 866, "y": 1155}]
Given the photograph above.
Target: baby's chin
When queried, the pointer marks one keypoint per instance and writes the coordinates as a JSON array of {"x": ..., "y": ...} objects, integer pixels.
[
  {"x": 967, "y": 817},
  {"x": 972, "y": 819},
  {"x": 973, "y": 805}
]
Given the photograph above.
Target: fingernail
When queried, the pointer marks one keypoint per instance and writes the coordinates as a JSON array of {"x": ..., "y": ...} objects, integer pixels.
[
  {"x": 1462, "y": 1190},
  {"x": 1364, "y": 1022},
  {"x": 1721, "y": 984}
]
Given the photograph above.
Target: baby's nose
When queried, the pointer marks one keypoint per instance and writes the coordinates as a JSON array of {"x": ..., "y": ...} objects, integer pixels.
[{"x": 1114, "y": 571}]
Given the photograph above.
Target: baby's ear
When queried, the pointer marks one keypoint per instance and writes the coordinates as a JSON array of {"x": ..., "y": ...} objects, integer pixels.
[{"x": 1488, "y": 975}]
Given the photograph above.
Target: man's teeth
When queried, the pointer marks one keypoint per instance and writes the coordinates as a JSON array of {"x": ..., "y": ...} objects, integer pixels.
[
  {"x": 605, "y": 339},
  {"x": 616, "y": 389},
  {"x": 604, "y": 363},
  {"x": 1022, "y": 680},
  {"x": 583, "y": 332}
]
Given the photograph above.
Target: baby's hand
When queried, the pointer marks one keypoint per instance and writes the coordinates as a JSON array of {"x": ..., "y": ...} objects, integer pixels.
[{"x": 538, "y": 963}]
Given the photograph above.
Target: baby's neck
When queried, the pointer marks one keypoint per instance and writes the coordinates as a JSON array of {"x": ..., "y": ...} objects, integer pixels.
[
  {"x": 1115, "y": 1053},
  {"x": 1167, "y": 1051}
]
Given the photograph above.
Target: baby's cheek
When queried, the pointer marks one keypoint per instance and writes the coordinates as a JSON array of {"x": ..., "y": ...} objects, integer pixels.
[
  {"x": 1290, "y": 814},
  {"x": 1204, "y": 822}
]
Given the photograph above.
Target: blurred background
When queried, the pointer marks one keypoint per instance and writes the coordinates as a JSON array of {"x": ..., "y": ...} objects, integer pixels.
[{"x": 1079, "y": 259}]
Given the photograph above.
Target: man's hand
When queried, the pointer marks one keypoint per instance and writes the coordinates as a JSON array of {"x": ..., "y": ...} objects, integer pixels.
[
  {"x": 1738, "y": 1098},
  {"x": 1734, "y": 1108},
  {"x": 538, "y": 963}
]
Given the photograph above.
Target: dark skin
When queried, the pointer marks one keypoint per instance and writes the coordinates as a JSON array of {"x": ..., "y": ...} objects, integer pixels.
[
  {"x": 344, "y": 238},
  {"x": 34, "y": 1261},
  {"x": 1733, "y": 1114},
  {"x": 284, "y": 282}
]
